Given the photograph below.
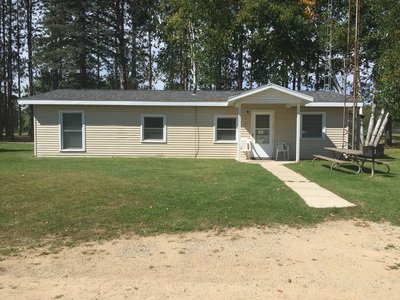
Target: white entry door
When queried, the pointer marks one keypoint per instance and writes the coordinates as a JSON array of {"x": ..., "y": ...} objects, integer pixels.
[{"x": 262, "y": 134}]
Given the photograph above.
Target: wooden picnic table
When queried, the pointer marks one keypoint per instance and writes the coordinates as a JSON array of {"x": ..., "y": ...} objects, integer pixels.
[
  {"x": 342, "y": 156},
  {"x": 339, "y": 153},
  {"x": 357, "y": 156}
]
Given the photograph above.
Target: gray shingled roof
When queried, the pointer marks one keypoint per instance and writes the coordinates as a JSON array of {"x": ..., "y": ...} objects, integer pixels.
[
  {"x": 325, "y": 96},
  {"x": 135, "y": 95},
  {"x": 167, "y": 96}
]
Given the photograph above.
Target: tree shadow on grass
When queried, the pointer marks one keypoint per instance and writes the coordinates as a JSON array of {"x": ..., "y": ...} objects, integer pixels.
[
  {"x": 348, "y": 169},
  {"x": 14, "y": 150}
]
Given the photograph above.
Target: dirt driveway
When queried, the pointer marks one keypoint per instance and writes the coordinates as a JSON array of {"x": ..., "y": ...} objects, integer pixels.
[{"x": 336, "y": 260}]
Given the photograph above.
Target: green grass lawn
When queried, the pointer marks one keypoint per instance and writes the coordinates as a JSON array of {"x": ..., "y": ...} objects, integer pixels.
[
  {"x": 62, "y": 201},
  {"x": 67, "y": 200},
  {"x": 378, "y": 197}
]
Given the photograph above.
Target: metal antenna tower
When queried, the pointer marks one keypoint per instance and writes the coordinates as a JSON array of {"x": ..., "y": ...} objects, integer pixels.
[
  {"x": 346, "y": 119},
  {"x": 351, "y": 126},
  {"x": 356, "y": 75},
  {"x": 328, "y": 47}
]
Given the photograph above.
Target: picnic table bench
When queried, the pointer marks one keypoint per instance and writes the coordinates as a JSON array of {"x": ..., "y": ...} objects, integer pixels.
[
  {"x": 378, "y": 162},
  {"x": 344, "y": 156},
  {"x": 338, "y": 162}
]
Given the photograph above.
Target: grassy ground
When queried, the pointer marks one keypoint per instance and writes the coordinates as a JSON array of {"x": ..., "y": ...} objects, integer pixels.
[
  {"x": 378, "y": 197},
  {"x": 67, "y": 200},
  {"x": 63, "y": 201}
]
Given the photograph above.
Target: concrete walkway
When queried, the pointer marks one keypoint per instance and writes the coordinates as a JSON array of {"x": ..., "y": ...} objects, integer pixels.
[{"x": 312, "y": 193}]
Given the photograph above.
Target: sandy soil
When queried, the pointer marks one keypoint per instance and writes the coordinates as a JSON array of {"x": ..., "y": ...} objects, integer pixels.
[{"x": 337, "y": 260}]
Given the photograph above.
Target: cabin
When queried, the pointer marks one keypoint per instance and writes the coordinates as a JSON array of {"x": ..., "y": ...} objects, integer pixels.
[{"x": 209, "y": 124}]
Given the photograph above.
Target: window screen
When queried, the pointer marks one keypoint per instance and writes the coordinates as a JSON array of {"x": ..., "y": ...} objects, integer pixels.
[
  {"x": 72, "y": 131},
  {"x": 226, "y": 129},
  {"x": 312, "y": 126},
  {"x": 153, "y": 128}
]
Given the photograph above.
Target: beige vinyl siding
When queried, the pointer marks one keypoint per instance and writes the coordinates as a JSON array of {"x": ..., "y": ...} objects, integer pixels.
[
  {"x": 271, "y": 97},
  {"x": 285, "y": 128},
  {"x": 116, "y": 131},
  {"x": 333, "y": 134},
  {"x": 285, "y": 124}
]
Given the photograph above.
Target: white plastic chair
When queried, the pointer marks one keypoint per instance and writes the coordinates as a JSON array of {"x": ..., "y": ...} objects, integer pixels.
[
  {"x": 245, "y": 147},
  {"x": 284, "y": 148}
]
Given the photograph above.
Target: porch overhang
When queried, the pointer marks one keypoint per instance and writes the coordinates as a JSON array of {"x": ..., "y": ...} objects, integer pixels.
[
  {"x": 275, "y": 95},
  {"x": 270, "y": 94}
]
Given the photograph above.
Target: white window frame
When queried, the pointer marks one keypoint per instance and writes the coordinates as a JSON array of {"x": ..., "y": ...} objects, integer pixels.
[
  {"x": 164, "y": 139},
  {"x": 323, "y": 133},
  {"x": 61, "y": 119},
  {"x": 216, "y": 117}
]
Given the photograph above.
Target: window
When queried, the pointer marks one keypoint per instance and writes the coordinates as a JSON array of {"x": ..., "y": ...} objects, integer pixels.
[
  {"x": 313, "y": 125},
  {"x": 153, "y": 129},
  {"x": 225, "y": 129},
  {"x": 72, "y": 131}
]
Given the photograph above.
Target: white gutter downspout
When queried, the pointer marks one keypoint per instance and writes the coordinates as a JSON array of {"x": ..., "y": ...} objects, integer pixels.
[
  {"x": 298, "y": 132},
  {"x": 238, "y": 133}
]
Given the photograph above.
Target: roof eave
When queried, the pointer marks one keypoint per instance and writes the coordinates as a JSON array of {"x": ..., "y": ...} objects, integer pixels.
[
  {"x": 122, "y": 103},
  {"x": 333, "y": 104}
]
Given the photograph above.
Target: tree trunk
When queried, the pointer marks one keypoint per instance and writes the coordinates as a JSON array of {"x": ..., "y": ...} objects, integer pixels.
[
  {"x": 29, "y": 8},
  {"x": 381, "y": 130},
  {"x": 82, "y": 52},
  {"x": 55, "y": 78},
  {"x": 377, "y": 127},
  {"x": 251, "y": 73},
  {"x": 388, "y": 131},
  {"x": 120, "y": 37},
  {"x": 19, "y": 68},
  {"x": 2, "y": 71},
  {"x": 10, "y": 101},
  {"x": 150, "y": 66},
  {"x": 240, "y": 62},
  {"x": 134, "y": 35},
  {"x": 192, "y": 41},
  {"x": 370, "y": 126},
  {"x": 294, "y": 82},
  {"x": 298, "y": 81}
]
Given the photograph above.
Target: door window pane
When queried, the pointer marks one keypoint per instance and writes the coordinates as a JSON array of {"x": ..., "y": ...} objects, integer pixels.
[
  {"x": 262, "y": 130},
  {"x": 262, "y": 136},
  {"x": 262, "y": 121}
]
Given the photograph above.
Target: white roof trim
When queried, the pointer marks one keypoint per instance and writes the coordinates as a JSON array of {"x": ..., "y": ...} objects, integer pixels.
[
  {"x": 120, "y": 103},
  {"x": 273, "y": 87},
  {"x": 332, "y": 104},
  {"x": 160, "y": 103}
]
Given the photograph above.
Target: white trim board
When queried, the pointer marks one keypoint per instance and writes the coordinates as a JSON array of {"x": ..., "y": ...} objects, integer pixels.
[
  {"x": 332, "y": 104},
  {"x": 159, "y": 141},
  {"x": 120, "y": 103},
  {"x": 271, "y": 86},
  {"x": 215, "y": 128},
  {"x": 60, "y": 130},
  {"x": 158, "y": 103}
]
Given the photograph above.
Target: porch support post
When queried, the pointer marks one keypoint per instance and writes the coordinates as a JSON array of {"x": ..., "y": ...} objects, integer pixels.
[
  {"x": 238, "y": 135},
  {"x": 298, "y": 133}
]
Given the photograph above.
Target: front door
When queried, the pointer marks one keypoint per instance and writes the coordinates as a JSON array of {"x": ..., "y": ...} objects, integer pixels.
[{"x": 262, "y": 134}]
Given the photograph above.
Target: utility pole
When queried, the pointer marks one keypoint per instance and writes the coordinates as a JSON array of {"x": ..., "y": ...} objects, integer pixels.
[{"x": 355, "y": 76}]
